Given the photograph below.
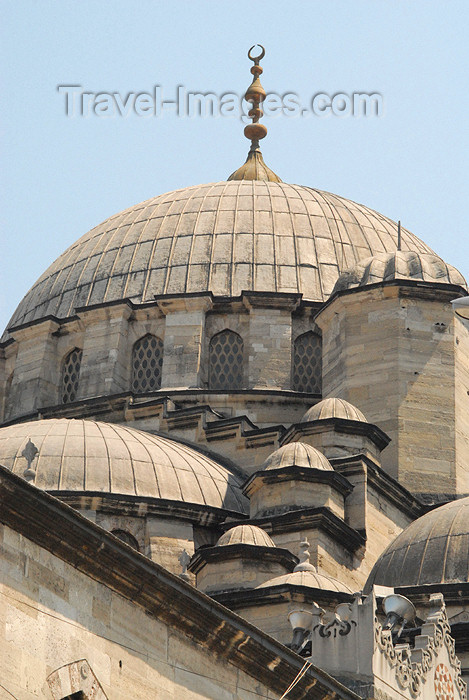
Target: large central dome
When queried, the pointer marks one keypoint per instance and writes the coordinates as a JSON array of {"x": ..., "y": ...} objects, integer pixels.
[{"x": 224, "y": 238}]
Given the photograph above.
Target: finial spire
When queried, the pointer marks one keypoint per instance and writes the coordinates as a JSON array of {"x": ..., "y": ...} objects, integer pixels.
[
  {"x": 304, "y": 564},
  {"x": 29, "y": 453},
  {"x": 254, "y": 168},
  {"x": 399, "y": 237}
]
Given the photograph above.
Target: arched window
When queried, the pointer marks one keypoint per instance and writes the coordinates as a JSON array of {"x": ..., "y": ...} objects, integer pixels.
[
  {"x": 147, "y": 363},
  {"x": 226, "y": 361},
  {"x": 126, "y": 537},
  {"x": 71, "y": 375},
  {"x": 307, "y": 363}
]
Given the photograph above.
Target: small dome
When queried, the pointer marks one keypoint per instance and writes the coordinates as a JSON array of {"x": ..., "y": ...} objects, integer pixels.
[
  {"x": 297, "y": 454},
  {"x": 433, "y": 549},
  {"x": 85, "y": 455},
  {"x": 246, "y": 534},
  {"x": 400, "y": 264},
  {"x": 308, "y": 579},
  {"x": 333, "y": 408}
]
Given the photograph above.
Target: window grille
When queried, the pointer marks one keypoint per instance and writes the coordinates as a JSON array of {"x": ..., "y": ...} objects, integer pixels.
[
  {"x": 147, "y": 364},
  {"x": 307, "y": 363},
  {"x": 226, "y": 361},
  {"x": 71, "y": 375}
]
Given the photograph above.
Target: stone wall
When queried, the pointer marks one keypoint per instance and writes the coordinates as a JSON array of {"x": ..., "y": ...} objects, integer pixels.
[
  {"x": 53, "y": 615},
  {"x": 185, "y": 323},
  {"x": 389, "y": 350}
]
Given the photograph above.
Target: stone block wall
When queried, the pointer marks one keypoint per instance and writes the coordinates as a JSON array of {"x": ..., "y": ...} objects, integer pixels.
[
  {"x": 53, "y": 615},
  {"x": 389, "y": 350}
]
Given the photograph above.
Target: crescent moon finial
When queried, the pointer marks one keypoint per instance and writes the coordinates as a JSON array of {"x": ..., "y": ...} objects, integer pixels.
[{"x": 256, "y": 59}]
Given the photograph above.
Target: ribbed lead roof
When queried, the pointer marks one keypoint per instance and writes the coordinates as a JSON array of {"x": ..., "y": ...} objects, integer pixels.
[
  {"x": 224, "y": 237},
  {"x": 432, "y": 549},
  {"x": 85, "y": 455}
]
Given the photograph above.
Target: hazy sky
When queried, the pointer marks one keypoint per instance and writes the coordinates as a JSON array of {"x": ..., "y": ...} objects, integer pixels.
[{"x": 63, "y": 175}]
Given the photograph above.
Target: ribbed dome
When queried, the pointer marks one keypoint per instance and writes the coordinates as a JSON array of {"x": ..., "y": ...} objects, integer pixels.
[
  {"x": 83, "y": 455},
  {"x": 432, "y": 549},
  {"x": 297, "y": 454},
  {"x": 201, "y": 239},
  {"x": 246, "y": 534},
  {"x": 333, "y": 408},
  {"x": 308, "y": 579},
  {"x": 400, "y": 264}
]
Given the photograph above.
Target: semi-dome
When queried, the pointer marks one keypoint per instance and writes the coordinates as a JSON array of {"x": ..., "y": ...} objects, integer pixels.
[
  {"x": 89, "y": 456},
  {"x": 201, "y": 239},
  {"x": 333, "y": 408},
  {"x": 308, "y": 579},
  {"x": 399, "y": 264},
  {"x": 297, "y": 454},
  {"x": 433, "y": 549},
  {"x": 246, "y": 534}
]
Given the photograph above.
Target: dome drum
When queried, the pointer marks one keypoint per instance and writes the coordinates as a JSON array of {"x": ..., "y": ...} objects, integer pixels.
[
  {"x": 338, "y": 437},
  {"x": 239, "y": 566},
  {"x": 294, "y": 477},
  {"x": 293, "y": 488},
  {"x": 198, "y": 336}
]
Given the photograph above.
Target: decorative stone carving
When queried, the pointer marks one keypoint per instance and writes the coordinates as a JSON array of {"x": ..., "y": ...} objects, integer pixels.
[
  {"x": 184, "y": 559},
  {"x": 74, "y": 678},
  {"x": 413, "y": 665}
]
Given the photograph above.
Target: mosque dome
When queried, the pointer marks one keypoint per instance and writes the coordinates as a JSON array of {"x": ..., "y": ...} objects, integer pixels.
[
  {"x": 223, "y": 238},
  {"x": 297, "y": 454},
  {"x": 91, "y": 456},
  {"x": 399, "y": 264},
  {"x": 308, "y": 579},
  {"x": 434, "y": 549},
  {"x": 246, "y": 534},
  {"x": 333, "y": 408}
]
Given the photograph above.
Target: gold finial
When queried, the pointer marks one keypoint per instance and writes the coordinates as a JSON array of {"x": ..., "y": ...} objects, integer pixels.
[{"x": 254, "y": 168}]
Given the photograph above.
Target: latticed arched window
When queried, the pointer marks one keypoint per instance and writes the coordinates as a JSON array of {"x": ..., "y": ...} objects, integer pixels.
[
  {"x": 307, "y": 363},
  {"x": 71, "y": 375},
  {"x": 226, "y": 361},
  {"x": 147, "y": 364}
]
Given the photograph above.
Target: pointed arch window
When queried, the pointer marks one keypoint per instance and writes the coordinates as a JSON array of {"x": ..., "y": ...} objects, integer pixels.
[
  {"x": 307, "y": 363},
  {"x": 147, "y": 364},
  {"x": 71, "y": 375},
  {"x": 226, "y": 361}
]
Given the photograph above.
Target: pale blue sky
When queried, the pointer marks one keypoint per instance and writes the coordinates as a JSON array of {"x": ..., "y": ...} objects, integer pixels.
[{"x": 62, "y": 176}]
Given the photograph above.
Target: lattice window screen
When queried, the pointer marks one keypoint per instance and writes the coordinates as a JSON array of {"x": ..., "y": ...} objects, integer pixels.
[
  {"x": 147, "y": 364},
  {"x": 226, "y": 361},
  {"x": 307, "y": 363},
  {"x": 71, "y": 375}
]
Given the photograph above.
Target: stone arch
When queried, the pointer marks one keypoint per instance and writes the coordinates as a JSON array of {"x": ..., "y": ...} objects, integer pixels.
[
  {"x": 75, "y": 681},
  {"x": 126, "y": 537}
]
